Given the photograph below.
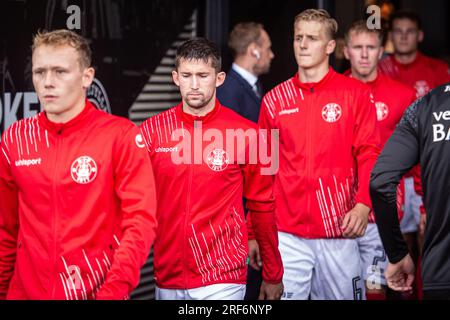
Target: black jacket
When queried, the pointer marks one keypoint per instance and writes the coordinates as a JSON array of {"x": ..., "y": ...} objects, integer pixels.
[
  {"x": 423, "y": 135},
  {"x": 237, "y": 94}
]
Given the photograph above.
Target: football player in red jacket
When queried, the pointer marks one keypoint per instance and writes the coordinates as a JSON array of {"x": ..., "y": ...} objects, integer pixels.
[
  {"x": 204, "y": 159},
  {"x": 329, "y": 141},
  {"x": 77, "y": 195},
  {"x": 363, "y": 47},
  {"x": 407, "y": 64}
]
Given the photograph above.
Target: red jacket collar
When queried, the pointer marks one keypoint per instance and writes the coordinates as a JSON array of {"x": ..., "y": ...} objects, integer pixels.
[
  {"x": 372, "y": 83},
  {"x": 314, "y": 86},
  {"x": 65, "y": 127},
  {"x": 417, "y": 60},
  {"x": 189, "y": 118}
]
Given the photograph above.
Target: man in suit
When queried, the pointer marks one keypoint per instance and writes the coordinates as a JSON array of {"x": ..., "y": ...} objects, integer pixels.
[
  {"x": 251, "y": 48},
  {"x": 242, "y": 92}
]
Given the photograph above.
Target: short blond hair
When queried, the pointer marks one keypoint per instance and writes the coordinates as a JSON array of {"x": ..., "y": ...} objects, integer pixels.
[
  {"x": 65, "y": 37},
  {"x": 361, "y": 27},
  {"x": 322, "y": 16}
]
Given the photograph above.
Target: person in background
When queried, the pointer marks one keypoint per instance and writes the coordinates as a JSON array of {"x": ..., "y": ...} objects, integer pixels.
[
  {"x": 251, "y": 48},
  {"x": 363, "y": 48},
  {"x": 242, "y": 92}
]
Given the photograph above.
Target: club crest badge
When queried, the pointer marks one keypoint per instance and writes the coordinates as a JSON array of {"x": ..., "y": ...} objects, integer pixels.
[
  {"x": 331, "y": 113},
  {"x": 218, "y": 160},
  {"x": 382, "y": 111},
  {"x": 83, "y": 170}
]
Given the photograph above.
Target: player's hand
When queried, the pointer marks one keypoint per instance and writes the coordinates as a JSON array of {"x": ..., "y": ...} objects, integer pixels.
[
  {"x": 253, "y": 254},
  {"x": 270, "y": 291},
  {"x": 355, "y": 221},
  {"x": 400, "y": 276}
]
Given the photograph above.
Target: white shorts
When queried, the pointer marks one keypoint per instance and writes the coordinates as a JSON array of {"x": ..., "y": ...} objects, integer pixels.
[
  {"x": 411, "y": 218},
  {"x": 220, "y": 291},
  {"x": 320, "y": 269},
  {"x": 373, "y": 258}
]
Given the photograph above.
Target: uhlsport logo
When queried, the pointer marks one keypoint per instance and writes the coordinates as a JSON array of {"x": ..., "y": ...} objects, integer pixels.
[
  {"x": 83, "y": 170},
  {"x": 28, "y": 162},
  {"x": 288, "y": 111},
  {"x": 332, "y": 112},
  {"x": 382, "y": 110},
  {"x": 166, "y": 149},
  {"x": 218, "y": 160},
  {"x": 96, "y": 94}
]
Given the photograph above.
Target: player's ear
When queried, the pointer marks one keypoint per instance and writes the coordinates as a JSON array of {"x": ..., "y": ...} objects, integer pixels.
[
  {"x": 421, "y": 36},
  {"x": 347, "y": 56},
  {"x": 175, "y": 78},
  {"x": 88, "y": 77},
  {"x": 380, "y": 54},
  {"x": 220, "y": 78},
  {"x": 331, "y": 46}
]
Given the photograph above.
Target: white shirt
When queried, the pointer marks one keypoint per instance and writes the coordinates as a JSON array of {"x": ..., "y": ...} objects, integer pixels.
[{"x": 249, "y": 77}]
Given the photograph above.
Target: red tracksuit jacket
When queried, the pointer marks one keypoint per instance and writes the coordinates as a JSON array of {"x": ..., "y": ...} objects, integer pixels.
[
  {"x": 201, "y": 237},
  {"x": 329, "y": 142},
  {"x": 391, "y": 100},
  {"x": 77, "y": 208},
  {"x": 423, "y": 74}
]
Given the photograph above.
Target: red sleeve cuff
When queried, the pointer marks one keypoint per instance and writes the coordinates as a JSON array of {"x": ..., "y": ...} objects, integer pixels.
[
  {"x": 266, "y": 234},
  {"x": 113, "y": 291}
]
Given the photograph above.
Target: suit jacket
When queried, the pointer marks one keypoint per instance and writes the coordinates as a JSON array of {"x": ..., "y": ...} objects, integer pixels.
[{"x": 237, "y": 94}]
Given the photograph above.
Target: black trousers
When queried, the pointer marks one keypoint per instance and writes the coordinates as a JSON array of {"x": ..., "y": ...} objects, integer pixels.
[{"x": 254, "y": 280}]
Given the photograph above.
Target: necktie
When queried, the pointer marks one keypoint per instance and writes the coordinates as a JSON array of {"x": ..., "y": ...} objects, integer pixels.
[{"x": 257, "y": 88}]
